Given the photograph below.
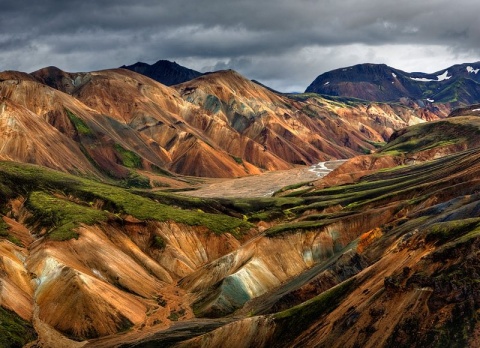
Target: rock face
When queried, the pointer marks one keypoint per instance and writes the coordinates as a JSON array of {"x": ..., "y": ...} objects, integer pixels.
[
  {"x": 456, "y": 86},
  {"x": 387, "y": 257},
  {"x": 119, "y": 124},
  {"x": 383, "y": 251},
  {"x": 404, "y": 282},
  {"x": 164, "y": 71}
]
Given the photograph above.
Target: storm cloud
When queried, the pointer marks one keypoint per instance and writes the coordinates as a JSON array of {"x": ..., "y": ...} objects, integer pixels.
[{"x": 284, "y": 44}]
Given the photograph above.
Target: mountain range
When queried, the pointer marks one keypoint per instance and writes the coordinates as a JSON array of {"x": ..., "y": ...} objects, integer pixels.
[
  {"x": 456, "y": 86},
  {"x": 123, "y": 125},
  {"x": 99, "y": 249}
]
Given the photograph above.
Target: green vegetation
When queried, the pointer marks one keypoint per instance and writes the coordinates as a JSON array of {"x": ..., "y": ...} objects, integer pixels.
[
  {"x": 376, "y": 144},
  {"x": 40, "y": 183},
  {"x": 129, "y": 158},
  {"x": 4, "y": 233},
  {"x": 61, "y": 215},
  {"x": 320, "y": 304},
  {"x": 432, "y": 135},
  {"x": 175, "y": 315},
  {"x": 444, "y": 231},
  {"x": 452, "y": 92},
  {"x": 14, "y": 331},
  {"x": 450, "y": 249},
  {"x": 294, "y": 320},
  {"x": 78, "y": 123},
  {"x": 3, "y": 228},
  {"x": 136, "y": 180},
  {"x": 402, "y": 187},
  {"x": 295, "y": 226},
  {"x": 158, "y": 242},
  {"x": 237, "y": 159},
  {"x": 291, "y": 187}
]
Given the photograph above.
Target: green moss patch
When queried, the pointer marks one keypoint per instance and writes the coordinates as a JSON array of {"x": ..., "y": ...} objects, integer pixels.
[
  {"x": 129, "y": 158},
  {"x": 61, "y": 216},
  {"x": 432, "y": 135},
  {"x": 291, "y": 322},
  {"x": 40, "y": 183},
  {"x": 79, "y": 124},
  {"x": 14, "y": 331},
  {"x": 3, "y": 228},
  {"x": 444, "y": 231}
]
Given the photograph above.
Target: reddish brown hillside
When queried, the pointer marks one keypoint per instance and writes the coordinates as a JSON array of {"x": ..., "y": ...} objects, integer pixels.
[
  {"x": 218, "y": 125},
  {"x": 276, "y": 123}
]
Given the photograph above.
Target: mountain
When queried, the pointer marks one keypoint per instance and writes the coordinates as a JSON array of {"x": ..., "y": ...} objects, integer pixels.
[
  {"x": 164, "y": 71},
  {"x": 277, "y": 123},
  {"x": 381, "y": 252},
  {"x": 456, "y": 86},
  {"x": 118, "y": 124}
]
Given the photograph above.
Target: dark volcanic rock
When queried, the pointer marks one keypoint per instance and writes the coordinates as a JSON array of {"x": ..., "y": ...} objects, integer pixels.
[{"x": 164, "y": 71}]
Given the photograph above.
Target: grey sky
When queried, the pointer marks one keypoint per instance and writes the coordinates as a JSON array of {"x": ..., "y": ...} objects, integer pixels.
[{"x": 284, "y": 44}]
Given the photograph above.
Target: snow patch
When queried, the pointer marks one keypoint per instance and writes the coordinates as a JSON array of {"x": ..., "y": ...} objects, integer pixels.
[
  {"x": 394, "y": 75},
  {"x": 326, "y": 83},
  {"x": 443, "y": 76},
  {"x": 476, "y": 110},
  {"x": 472, "y": 70},
  {"x": 430, "y": 100},
  {"x": 421, "y": 79}
]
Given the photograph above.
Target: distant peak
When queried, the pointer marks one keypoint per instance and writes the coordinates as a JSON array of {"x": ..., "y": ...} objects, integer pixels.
[
  {"x": 50, "y": 69},
  {"x": 164, "y": 71}
]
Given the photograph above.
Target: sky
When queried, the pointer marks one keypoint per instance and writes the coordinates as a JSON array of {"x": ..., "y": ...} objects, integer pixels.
[{"x": 285, "y": 44}]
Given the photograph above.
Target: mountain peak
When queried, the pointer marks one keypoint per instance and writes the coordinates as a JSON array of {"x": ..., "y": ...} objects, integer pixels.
[
  {"x": 380, "y": 82},
  {"x": 164, "y": 71}
]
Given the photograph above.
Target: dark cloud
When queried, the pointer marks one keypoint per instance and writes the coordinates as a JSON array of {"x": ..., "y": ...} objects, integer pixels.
[{"x": 283, "y": 43}]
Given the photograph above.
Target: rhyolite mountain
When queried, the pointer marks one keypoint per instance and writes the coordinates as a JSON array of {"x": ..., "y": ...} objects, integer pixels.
[
  {"x": 123, "y": 125},
  {"x": 382, "y": 252},
  {"x": 458, "y": 85},
  {"x": 164, "y": 71}
]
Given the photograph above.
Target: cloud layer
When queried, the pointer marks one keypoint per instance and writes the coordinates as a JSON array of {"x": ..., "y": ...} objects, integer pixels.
[{"x": 284, "y": 44}]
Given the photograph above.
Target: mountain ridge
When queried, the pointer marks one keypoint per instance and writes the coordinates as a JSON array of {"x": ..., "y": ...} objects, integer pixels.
[
  {"x": 217, "y": 125},
  {"x": 164, "y": 71},
  {"x": 379, "y": 82},
  {"x": 96, "y": 252}
]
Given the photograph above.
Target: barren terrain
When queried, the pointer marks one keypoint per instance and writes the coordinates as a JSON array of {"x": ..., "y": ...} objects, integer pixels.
[{"x": 265, "y": 184}]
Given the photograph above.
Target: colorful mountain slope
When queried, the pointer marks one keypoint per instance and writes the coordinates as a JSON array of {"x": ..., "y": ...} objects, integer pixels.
[{"x": 218, "y": 125}]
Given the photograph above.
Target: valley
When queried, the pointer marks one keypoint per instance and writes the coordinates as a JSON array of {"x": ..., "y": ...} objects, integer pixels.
[
  {"x": 266, "y": 184},
  {"x": 216, "y": 211}
]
